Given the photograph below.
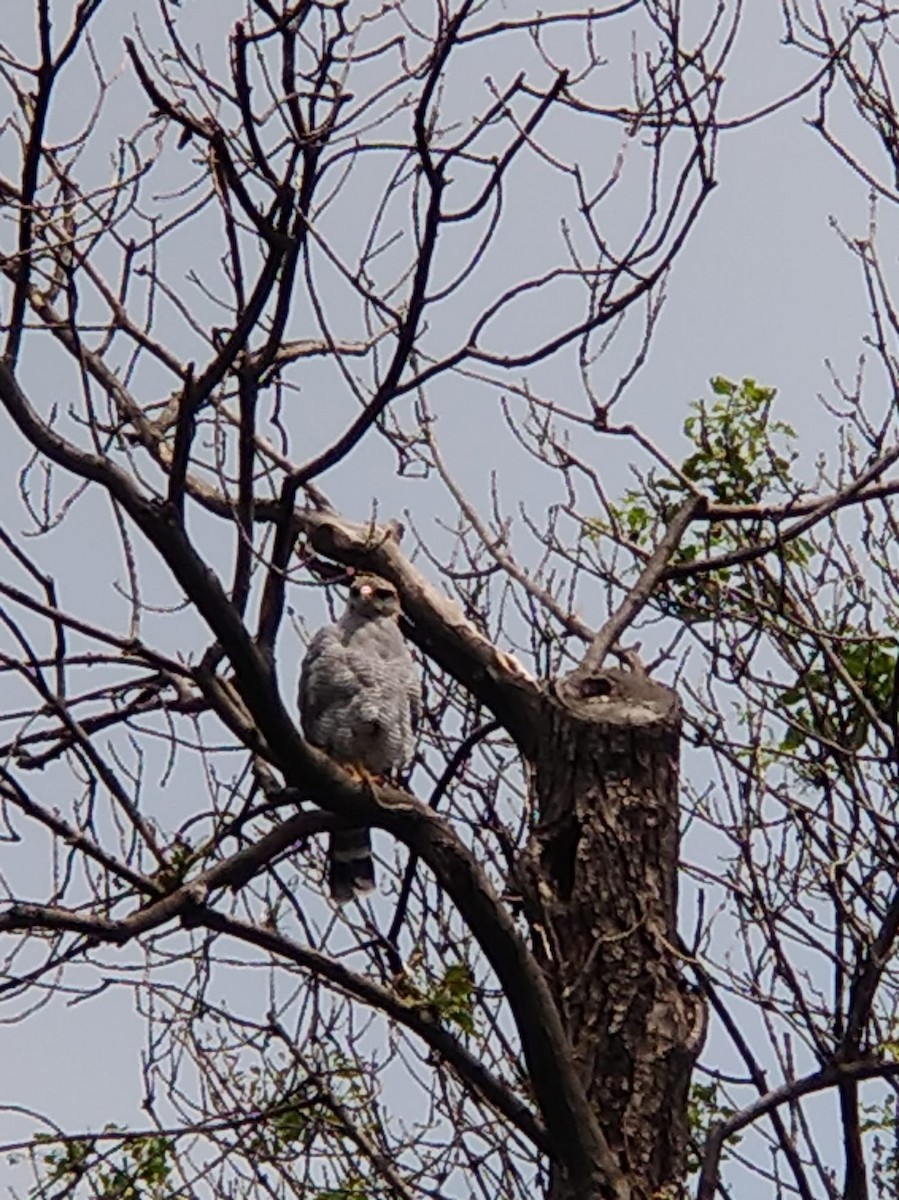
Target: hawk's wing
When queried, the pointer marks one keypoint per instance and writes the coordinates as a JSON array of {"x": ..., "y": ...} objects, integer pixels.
[
  {"x": 413, "y": 691},
  {"x": 326, "y": 678}
]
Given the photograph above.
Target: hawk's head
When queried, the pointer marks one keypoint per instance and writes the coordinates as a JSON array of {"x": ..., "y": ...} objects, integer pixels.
[{"x": 371, "y": 596}]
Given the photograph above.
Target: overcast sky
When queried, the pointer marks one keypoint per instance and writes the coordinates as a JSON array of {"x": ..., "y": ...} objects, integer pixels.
[{"x": 764, "y": 287}]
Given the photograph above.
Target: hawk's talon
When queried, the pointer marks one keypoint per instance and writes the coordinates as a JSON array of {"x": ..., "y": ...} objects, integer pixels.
[{"x": 360, "y": 775}]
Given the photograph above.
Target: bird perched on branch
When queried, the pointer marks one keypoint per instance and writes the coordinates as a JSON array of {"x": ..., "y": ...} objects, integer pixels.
[{"x": 360, "y": 701}]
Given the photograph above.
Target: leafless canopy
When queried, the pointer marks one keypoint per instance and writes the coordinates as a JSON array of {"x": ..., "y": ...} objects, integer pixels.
[{"x": 281, "y": 283}]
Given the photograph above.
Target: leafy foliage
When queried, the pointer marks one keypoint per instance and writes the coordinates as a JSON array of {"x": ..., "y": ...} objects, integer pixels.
[
  {"x": 137, "y": 1169},
  {"x": 450, "y": 997},
  {"x": 705, "y": 1108},
  {"x": 881, "y": 1122},
  {"x": 743, "y": 455},
  {"x": 740, "y": 454},
  {"x": 833, "y": 707}
]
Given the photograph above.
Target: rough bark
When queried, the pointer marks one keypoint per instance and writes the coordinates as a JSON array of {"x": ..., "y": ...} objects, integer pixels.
[{"x": 600, "y": 884}]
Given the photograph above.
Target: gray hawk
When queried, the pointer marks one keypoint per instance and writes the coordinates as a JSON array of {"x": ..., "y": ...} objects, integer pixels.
[{"x": 360, "y": 701}]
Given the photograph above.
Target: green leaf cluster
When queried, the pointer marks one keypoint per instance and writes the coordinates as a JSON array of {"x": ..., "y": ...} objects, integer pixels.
[
  {"x": 140, "y": 1169},
  {"x": 299, "y": 1112},
  {"x": 736, "y": 459},
  {"x": 704, "y": 1109},
  {"x": 822, "y": 702},
  {"x": 449, "y": 998},
  {"x": 453, "y": 998},
  {"x": 740, "y": 455},
  {"x": 347, "y": 1191},
  {"x": 881, "y": 1123}
]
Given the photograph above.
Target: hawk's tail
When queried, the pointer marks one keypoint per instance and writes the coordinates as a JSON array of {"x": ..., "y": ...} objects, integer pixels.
[{"x": 351, "y": 871}]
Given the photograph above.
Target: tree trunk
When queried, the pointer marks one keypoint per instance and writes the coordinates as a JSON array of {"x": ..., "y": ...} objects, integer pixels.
[{"x": 600, "y": 886}]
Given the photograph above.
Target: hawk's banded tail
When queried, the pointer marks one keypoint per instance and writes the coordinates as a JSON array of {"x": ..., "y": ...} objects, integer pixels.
[{"x": 351, "y": 870}]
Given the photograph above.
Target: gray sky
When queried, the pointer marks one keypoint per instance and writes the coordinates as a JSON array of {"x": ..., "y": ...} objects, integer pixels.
[{"x": 764, "y": 287}]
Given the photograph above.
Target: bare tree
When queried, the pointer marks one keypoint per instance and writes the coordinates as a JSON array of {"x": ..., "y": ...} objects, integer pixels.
[{"x": 252, "y": 271}]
